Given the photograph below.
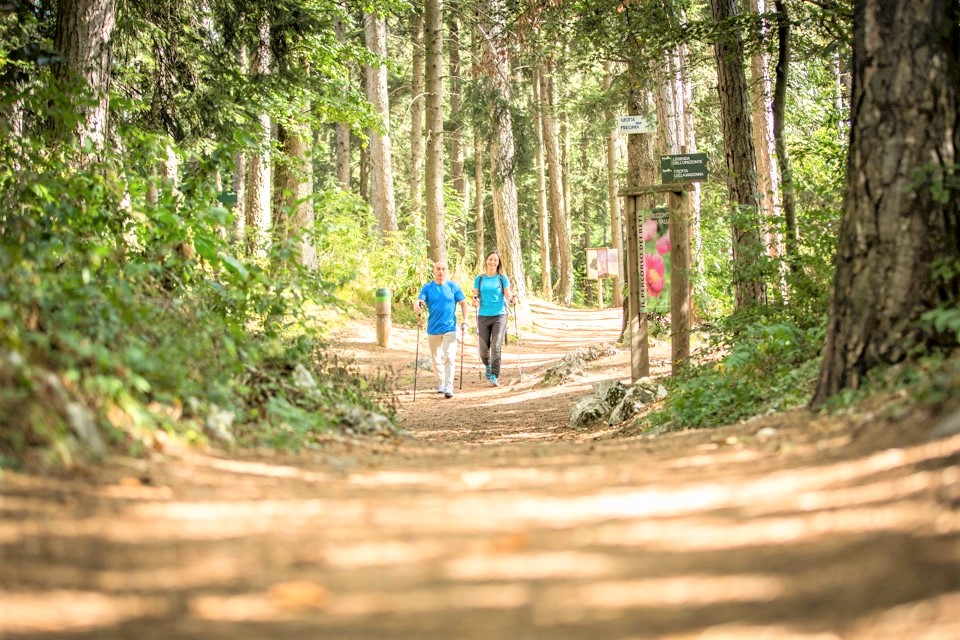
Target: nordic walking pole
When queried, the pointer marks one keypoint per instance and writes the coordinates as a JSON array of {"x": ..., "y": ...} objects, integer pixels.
[
  {"x": 476, "y": 322},
  {"x": 416, "y": 360},
  {"x": 463, "y": 347}
]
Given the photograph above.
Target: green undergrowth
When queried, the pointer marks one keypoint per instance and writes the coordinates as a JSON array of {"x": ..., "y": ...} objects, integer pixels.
[
  {"x": 757, "y": 368},
  {"x": 143, "y": 314},
  {"x": 764, "y": 368}
]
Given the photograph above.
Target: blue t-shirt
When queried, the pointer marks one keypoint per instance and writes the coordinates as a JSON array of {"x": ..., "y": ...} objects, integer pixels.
[
  {"x": 441, "y": 302},
  {"x": 491, "y": 293}
]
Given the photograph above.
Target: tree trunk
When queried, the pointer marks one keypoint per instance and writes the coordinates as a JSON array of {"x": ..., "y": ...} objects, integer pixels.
[
  {"x": 748, "y": 282},
  {"x": 364, "y": 181},
  {"x": 584, "y": 167},
  {"x": 563, "y": 129},
  {"x": 476, "y": 49},
  {"x": 782, "y": 73},
  {"x": 238, "y": 229},
  {"x": 684, "y": 94},
  {"x": 762, "y": 141},
  {"x": 381, "y": 167},
  {"x": 83, "y": 37},
  {"x": 546, "y": 277},
  {"x": 342, "y": 143},
  {"x": 295, "y": 186},
  {"x": 641, "y": 171},
  {"x": 667, "y": 140},
  {"x": 686, "y": 135},
  {"x": 616, "y": 218},
  {"x": 503, "y": 161},
  {"x": 478, "y": 214},
  {"x": 257, "y": 207},
  {"x": 899, "y": 242},
  {"x": 416, "y": 120},
  {"x": 558, "y": 206},
  {"x": 456, "y": 133},
  {"x": 433, "y": 40}
]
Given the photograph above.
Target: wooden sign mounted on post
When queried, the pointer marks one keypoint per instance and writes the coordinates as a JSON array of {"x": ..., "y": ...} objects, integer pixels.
[{"x": 678, "y": 209}]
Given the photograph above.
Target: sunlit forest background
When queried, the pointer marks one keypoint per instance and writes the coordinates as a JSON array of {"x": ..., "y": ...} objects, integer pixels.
[{"x": 194, "y": 194}]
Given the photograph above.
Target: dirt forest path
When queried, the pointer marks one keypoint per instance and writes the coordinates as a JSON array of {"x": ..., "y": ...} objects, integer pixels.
[{"x": 496, "y": 521}]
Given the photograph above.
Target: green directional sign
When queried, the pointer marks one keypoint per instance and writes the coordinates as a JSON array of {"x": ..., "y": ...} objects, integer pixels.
[{"x": 686, "y": 167}]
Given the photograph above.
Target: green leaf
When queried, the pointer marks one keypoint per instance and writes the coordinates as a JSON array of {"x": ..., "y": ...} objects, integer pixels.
[{"x": 233, "y": 265}]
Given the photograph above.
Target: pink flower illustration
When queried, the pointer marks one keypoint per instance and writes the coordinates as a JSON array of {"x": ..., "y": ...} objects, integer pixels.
[
  {"x": 663, "y": 243},
  {"x": 649, "y": 228},
  {"x": 655, "y": 269}
]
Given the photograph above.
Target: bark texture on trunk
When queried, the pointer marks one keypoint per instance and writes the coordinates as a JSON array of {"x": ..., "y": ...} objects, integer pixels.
[
  {"x": 239, "y": 226},
  {"x": 257, "y": 207},
  {"x": 416, "y": 120},
  {"x": 455, "y": 133},
  {"x": 295, "y": 184},
  {"x": 342, "y": 143},
  {"x": 476, "y": 48},
  {"x": 558, "y": 217},
  {"x": 381, "y": 164},
  {"x": 782, "y": 74},
  {"x": 83, "y": 37},
  {"x": 748, "y": 280},
  {"x": 901, "y": 221},
  {"x": 762, "y": 143},
  {"x": 478, "y": 215},
  {"x": 238, "y": 229},
  {"x": 502, "y": 152},
  {"x": 433, "y": 184},
  {"x": 546, "y": 275}
]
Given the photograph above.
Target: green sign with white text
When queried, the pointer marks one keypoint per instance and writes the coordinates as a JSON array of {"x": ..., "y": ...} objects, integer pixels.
[{"x": 687, "y": 167}]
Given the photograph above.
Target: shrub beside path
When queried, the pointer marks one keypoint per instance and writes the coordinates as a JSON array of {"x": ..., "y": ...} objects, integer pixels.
[{"x": 495, "y": 520}]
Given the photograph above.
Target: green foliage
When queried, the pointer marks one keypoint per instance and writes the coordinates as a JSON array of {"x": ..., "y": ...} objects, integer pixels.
[
  {"x": 142, "y": 306},
  {"x": 352, "y": 255},
  {"x": 926, "y": 380},
  {"x": 344, "y": 233},
  {"x": 768, "y": 367},
  {"x": 944, "y": 320},
  {"x": 282, "y": 414}
]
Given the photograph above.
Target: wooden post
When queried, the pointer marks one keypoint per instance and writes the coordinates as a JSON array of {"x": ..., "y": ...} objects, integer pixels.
[
  {"x": 636, "y": 319},
  {"x": 681, "y": 295},
  {"x": 384, "y": 320},
  {"x": 680, "y": 292},
  {"x": 599, "y": 293}
]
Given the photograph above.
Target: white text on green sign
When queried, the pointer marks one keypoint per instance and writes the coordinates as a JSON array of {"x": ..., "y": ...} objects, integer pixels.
[{"x": 688, "y": 167}]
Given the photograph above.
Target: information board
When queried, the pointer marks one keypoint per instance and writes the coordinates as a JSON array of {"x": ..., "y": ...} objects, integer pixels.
[{"x": 686, "y": 167}]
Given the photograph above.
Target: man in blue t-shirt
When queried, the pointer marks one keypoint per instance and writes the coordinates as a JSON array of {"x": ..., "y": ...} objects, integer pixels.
[{"x": 441, "y": 298}]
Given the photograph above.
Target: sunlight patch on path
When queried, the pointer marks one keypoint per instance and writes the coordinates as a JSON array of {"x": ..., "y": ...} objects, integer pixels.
[{"x": 61, "y": 610}]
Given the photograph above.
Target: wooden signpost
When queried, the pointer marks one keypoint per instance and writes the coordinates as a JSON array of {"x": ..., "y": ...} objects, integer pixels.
[
  {"x": 680, "y": 288},
  {"x": 678, "y": 173}
]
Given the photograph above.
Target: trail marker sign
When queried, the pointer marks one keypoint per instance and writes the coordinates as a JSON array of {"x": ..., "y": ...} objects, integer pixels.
[
  {"x": 686, "y": 167},
  {"x": 636, "y": 124}
]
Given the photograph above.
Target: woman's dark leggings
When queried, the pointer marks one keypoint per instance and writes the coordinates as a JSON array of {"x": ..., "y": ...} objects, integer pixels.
[{"x": 490, "y": 330}]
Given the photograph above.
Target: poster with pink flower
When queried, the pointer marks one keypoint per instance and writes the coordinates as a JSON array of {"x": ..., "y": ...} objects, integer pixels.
[{"x": 655, "y": 264}]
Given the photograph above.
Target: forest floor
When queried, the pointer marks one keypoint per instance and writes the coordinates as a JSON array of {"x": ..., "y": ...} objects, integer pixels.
[{"x": 496, "y": 520}]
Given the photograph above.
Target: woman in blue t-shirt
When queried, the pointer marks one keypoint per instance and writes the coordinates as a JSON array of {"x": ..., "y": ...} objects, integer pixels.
[{"x": 491, "y": 294}]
